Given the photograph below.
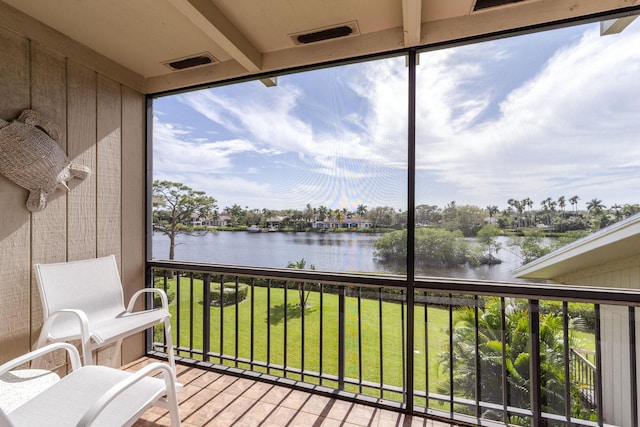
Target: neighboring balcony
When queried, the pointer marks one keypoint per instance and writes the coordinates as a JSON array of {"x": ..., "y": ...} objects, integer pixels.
[{"x": 456, "y": 350}]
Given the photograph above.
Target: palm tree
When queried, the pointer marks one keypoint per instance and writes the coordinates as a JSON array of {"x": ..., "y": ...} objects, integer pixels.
[
  {"x": 361, "y": 210},
  {"x": 489, "y": 327},
  {"x": 322, "y": 213},
  {"x": 617, "y": 211},
  {"x": 301, "y": 265},
  {"x": 562, "y": 202},
  {"x": 595, "y": 206},
  {"x": 492, "y": 209},
  {"x": 338, "y": 216},
  {"x": 574, "y": 203}
]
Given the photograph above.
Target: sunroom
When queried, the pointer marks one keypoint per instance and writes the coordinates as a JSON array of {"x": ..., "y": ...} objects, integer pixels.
[{"x": 423, "y": 119}]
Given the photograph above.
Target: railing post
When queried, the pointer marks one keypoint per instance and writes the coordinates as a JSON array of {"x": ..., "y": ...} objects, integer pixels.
[
  {"x": 206, "y": 317},
  {"x": 534, "y": 363},
  {"x": 633, "y": 370},
  {"x": 598, "y": 388},
  {"x": 341, "y": 337}
]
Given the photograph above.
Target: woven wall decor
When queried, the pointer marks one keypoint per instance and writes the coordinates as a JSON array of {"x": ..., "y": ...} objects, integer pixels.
[{"x": 30, "y": 157}]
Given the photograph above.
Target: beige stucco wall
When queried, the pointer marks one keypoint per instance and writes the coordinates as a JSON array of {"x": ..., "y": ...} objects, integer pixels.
[
  {"x": 624, "y": 273},
  {"x": 102, "y": 121}
]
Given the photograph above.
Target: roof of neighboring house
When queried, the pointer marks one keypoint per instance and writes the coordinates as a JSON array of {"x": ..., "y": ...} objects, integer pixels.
[{"x": 618, "y": 241}]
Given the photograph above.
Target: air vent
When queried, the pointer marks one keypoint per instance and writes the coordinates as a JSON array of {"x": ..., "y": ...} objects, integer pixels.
[
  {"x": 191, "y": 61},
  {"x": 348, "y": 29},
  {"x": 485, "y": 4}
]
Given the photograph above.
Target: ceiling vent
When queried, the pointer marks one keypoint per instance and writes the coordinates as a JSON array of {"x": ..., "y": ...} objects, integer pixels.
[
  {"x": 485, "y": 4},
  {"x": 348, "y": 29},
  {"x": 191, "y": 61}
]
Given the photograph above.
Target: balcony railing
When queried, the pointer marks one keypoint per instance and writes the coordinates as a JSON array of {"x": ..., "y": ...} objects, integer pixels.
[{"x": 469, "y": 351}]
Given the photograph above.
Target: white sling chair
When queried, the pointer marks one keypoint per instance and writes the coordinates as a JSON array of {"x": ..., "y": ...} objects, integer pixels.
[
  {"x": 93, "y": 395},
  {"x": 84, "y": 300}
]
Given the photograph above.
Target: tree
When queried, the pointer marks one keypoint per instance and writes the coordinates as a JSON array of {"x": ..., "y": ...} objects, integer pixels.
[
  {"x": 430, "y": 215},
  {"x": 235, "y": 213},
  {"x": 487, "y": 237},
  {"x": 489, "y": 343},
  {"x": 175, "y": 206},
  {"x": 574, "y": 203},
  {"x": 596, "y": 209},
  {"x": 492, "y": 210},
  {"x": 361, "y": 210},
  {"x": 301, "y": 265},
  {"x": 433, "y": 247}
]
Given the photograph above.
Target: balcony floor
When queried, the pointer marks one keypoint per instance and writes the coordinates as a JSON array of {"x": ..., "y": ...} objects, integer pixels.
[{"x": 213, "y": 399}]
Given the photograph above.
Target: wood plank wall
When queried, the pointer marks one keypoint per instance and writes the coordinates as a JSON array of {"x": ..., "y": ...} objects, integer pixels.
[{"x": 102, "y": 123}]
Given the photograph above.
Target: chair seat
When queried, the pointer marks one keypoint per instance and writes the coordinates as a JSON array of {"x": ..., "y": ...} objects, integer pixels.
[
  {"x": 66, "y": 401},
  {"x": 21, "y": 385},
  {"x": 111, "y": 329}
]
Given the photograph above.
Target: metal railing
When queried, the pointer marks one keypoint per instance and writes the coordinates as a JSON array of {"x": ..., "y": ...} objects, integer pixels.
[
  {"x": 481, "y": 353},
  {"x": 583, "y": 373}
]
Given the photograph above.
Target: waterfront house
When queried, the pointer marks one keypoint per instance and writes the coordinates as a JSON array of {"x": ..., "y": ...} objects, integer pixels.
[{"x": 94, "y": 68}]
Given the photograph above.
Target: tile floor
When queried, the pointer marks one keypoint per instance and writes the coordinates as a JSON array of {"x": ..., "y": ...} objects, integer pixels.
[{"x": 216, "y": 400}]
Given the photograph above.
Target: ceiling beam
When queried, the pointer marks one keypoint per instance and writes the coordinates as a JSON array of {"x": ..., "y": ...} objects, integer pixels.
[
  {"x": 206, "y": 16},
  {"x": 615, "y": 26},
  {"x": 411, "y": 21}
]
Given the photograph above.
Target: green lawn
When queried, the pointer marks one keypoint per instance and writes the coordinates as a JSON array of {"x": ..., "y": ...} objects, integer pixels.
[{"x": 392, "y": 328}]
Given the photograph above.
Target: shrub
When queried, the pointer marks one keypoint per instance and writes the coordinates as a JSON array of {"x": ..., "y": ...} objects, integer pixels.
[
  {"x": 228, "y": 293},
  {"x": 158, "y": 282}
]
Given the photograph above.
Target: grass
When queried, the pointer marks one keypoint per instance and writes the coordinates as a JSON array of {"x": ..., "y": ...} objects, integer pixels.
[{"x": 319, "y": 353}]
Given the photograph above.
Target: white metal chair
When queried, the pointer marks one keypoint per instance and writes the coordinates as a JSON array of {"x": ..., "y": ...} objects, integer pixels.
[
  {"x": 84, "y": 300},
  {"x": 93, "y": 395}
]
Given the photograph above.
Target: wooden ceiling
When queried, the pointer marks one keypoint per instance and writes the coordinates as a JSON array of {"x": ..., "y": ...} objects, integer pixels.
[{"x": 247, "y": 37}]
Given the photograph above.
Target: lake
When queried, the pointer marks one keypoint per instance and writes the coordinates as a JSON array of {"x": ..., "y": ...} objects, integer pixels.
[{"x": 339, "y": 252}]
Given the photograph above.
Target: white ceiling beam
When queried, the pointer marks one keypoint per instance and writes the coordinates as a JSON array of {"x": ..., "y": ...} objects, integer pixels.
[
  {"x": 411, "y": 21},
  {"x": 206, "y": 16}
]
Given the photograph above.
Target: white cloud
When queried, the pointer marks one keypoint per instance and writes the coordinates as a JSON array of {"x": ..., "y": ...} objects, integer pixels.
[
  {"x": 571, "y": 128},
  {"x": 575, "y": 120}
]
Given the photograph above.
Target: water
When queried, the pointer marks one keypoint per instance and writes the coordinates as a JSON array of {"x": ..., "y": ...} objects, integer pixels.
[{"x": 339, "y": 252}]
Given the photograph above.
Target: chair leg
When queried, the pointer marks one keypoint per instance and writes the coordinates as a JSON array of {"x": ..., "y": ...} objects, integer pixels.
[
  {"x": 87, "y": 352},
  {"x": 170, "y": 355}
]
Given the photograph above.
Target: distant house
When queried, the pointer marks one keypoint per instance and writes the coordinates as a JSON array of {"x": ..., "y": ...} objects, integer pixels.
[
  {"x": 220, "y": 221},
  {"x": 608, "y": 258},
  {"x": 273, "y": 223}
]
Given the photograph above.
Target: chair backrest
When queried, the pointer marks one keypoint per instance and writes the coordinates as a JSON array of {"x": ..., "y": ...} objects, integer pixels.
[{"x": 92, "y": 285}]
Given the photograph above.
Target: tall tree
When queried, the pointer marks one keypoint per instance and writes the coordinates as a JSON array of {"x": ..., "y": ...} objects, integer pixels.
[
  {"x": 595, "y": 206},
  {"x": 574, "y": 203},
  {"x": 175, "y": 205},
  {"x": 492, "y": 209}
]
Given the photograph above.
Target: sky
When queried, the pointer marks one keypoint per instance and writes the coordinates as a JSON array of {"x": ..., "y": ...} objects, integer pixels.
[{"x": 543, "y": 115}]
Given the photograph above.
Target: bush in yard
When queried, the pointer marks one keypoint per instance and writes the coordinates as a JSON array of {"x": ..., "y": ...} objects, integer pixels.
[
  {"x": 228, "y": 293},
  {"x": 158, "y": 282}
]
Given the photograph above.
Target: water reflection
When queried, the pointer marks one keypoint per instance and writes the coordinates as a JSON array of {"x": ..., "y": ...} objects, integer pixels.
[{"x": 340, "y": 252}]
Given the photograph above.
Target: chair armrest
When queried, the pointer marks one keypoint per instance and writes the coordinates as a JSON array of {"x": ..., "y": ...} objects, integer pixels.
[
  {"x": 104, "y": 400},
  {"x": 80, "y": 315},
  {"x": 74, "y": 356},
  {"x": 162, "y": 293}
]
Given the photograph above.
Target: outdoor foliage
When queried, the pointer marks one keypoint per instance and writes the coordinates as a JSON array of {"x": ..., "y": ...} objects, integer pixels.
[
  {"x": 301, "y": 265},
  {"x": 516, "y": 356},
  {"x": 433, "y": 247},
  {"x": 229, "y": 291},
  {"x": 176, "y": 206}
]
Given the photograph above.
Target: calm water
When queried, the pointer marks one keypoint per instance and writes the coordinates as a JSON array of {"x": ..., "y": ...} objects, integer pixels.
[{"x": 343, "y": 252}]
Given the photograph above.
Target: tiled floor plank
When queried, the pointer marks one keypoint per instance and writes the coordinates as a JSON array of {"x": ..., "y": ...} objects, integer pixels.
[{"x": 210, "y": 399}]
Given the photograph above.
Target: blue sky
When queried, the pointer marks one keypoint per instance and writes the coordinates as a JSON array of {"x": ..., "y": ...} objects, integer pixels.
[{"x": 544, "y": 115}]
